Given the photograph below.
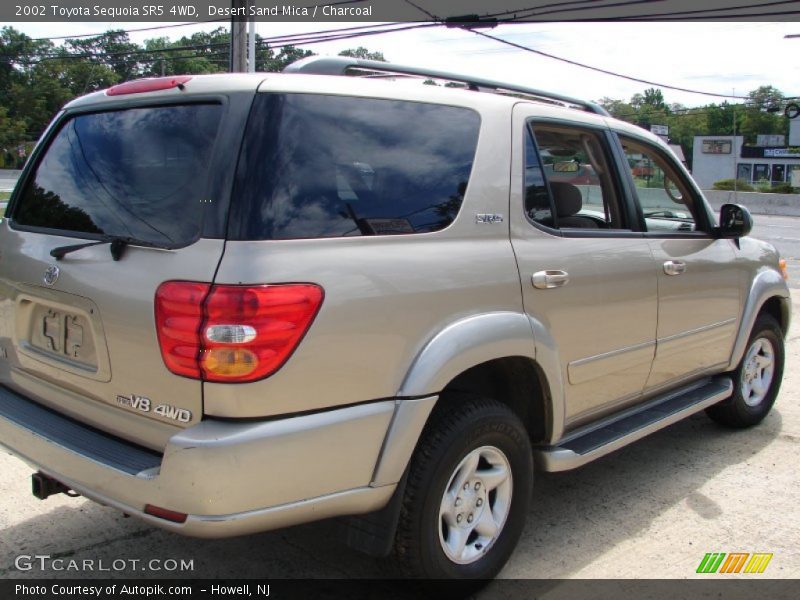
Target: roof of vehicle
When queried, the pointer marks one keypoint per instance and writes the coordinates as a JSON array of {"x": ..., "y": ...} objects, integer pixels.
[
  {"x": 412, "y": 90},
  {"x": 386, "y": 86}
]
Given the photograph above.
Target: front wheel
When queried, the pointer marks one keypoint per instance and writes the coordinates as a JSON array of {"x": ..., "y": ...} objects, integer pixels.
[
  {"x": 756, "y": 380},
  {"x": 467, "y": 494}
]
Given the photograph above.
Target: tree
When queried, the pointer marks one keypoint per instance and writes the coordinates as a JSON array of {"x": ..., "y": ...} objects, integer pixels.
[
  {"x": 619, "y": 109},
  {"x": 653, "y": 97},
  {"x": 112, "y": 49},
  {"x": 11, "y": 132},
  {"x": 285, "y": 57},
  {"x": 763, "y": 114},
  {"x": 362, "y": 52}
]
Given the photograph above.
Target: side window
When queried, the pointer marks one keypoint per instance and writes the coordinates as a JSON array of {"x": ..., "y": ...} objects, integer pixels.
[
  {"x": 667, "y": 202},
  {"x": 538, "y": 206},
  {"x": 316, "y": 166},
  {"x": 568, "y": 183}
]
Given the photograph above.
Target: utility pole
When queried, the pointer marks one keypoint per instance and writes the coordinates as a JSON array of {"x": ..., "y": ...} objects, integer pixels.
[
  {"x": 251, "y": 46},
  {"x": 735, "y": 154},
  {"x": 238, "y": 36}
]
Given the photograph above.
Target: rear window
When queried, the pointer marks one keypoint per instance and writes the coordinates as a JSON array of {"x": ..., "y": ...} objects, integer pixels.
[
  {"x": 317, "y": 166},
  {"x": 137, "y": 173}
]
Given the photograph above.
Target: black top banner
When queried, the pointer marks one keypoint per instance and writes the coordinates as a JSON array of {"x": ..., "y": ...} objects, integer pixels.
[{"x": 456, "y": 12}]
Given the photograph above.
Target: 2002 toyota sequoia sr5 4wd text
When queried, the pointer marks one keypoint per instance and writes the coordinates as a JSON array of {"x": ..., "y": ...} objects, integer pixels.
[{"x": 232, "y": 303}]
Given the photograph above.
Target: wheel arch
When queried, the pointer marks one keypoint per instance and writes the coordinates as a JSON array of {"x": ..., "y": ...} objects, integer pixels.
[
  {"x": 768, "y": 293},
  {"x": 493, "y": 355}
]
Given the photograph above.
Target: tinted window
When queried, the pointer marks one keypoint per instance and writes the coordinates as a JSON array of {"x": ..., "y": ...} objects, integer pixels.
[
  {"x": 138, "y": 173},
  {"x": 580, "y": 188},
  {"x": 326, "y": 166},
  {"x": 537, "y": 199}
]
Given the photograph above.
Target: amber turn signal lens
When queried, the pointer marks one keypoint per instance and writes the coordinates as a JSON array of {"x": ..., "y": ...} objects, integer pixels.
[
  {"x": 229, "y": 362},
  {"x": 782, "y": 265}
]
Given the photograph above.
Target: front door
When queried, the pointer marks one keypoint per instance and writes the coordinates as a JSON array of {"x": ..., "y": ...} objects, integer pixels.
[{"x": 698, "y": 282}]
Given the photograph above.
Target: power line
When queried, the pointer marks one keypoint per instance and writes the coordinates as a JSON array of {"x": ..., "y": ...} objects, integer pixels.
[
  {"x": 320, "y": 39},
  {"x": 85, "y": 35},
  {"x": 423, "y": 10},
  {"x": 604, "y": 71},
  {"x": 727, "y": 9},
  {"x": 125, "y": 53},
  {"x": 286, "y": 40},
  {"x": 554, "y": 8}
]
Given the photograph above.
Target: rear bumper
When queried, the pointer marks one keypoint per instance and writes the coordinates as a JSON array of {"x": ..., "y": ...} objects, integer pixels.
[{"x": 230, "y": 478}]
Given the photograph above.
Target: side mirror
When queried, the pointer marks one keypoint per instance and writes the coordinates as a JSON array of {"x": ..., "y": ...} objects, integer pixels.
[{"x": 734, "y": 221}]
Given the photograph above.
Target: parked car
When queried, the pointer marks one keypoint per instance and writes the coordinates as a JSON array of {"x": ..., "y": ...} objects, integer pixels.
[{"x": 233, "y": 303}]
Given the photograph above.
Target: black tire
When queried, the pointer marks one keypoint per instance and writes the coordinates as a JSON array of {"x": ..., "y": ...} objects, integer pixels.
[
  {"x": 467, "y": 426},
  {"x": 742, "y": 409}
]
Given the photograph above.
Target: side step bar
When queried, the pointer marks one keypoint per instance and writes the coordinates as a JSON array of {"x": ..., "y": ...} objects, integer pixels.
[{"x": 602, "y": 438}]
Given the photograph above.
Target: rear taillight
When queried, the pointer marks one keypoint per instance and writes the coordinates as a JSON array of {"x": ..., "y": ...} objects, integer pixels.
[{"x": 232, "y": 333}]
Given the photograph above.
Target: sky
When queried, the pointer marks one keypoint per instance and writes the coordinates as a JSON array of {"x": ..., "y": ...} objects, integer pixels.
[{"x": 717, "y": 57}]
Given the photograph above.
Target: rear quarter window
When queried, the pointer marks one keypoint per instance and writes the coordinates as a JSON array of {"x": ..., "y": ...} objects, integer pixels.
[
  {"x": 138, "y": 173},
  {"x": 315, "y": 166}
]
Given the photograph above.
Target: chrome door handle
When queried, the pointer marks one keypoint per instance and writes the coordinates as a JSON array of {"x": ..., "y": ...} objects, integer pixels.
[
  {"x": 545, "y": 280},
  {"x": 674, "y": 267}
]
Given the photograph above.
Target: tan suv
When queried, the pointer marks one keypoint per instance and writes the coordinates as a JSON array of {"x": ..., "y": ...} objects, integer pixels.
[{"x": 232, "y": 303}]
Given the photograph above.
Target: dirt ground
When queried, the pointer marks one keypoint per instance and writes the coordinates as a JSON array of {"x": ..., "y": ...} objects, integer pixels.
[{"x": 651, "y": 510}]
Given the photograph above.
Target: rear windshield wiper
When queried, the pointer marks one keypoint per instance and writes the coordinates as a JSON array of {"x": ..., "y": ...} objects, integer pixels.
[{"x": 118, "y": 245}]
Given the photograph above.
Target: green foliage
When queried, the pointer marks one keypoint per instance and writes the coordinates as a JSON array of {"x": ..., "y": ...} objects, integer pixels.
[
  {"x": 776, "y": 188},
  {"x": 757, "y": 115},
  {"x": 362, "y": 52},
  {"x": 38, "y": 77},
  {"x": 728, "y": 185}
]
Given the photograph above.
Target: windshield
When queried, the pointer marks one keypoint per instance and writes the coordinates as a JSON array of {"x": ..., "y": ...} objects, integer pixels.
[{"x": 138, "y": 173}]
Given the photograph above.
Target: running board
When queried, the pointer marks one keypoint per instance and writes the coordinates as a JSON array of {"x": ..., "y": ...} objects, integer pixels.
[{"x": 599, "y": 439}]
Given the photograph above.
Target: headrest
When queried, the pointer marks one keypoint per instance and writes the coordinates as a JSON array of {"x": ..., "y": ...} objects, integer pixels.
[{"x": 567, "y": 198}]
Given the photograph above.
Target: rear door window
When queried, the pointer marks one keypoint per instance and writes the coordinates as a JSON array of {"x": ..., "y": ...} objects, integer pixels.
[
  {"x": 316, "y": 166},
  {"x": 569, "y": 183},
  {"x": 137, "y": 173}
]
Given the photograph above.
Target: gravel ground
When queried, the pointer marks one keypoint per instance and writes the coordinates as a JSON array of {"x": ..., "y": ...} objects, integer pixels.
[{"x": 652, "y": 510}]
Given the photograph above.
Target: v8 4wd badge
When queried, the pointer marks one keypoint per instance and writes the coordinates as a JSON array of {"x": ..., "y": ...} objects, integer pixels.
[{"x": 144, "y": 404}]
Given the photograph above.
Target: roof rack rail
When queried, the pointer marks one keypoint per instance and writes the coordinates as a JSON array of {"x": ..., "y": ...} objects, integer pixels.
[{"x": 340, "y": 65}]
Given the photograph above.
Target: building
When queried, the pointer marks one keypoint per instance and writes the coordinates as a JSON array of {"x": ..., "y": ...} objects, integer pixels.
[{"x": 717, "y": 157}]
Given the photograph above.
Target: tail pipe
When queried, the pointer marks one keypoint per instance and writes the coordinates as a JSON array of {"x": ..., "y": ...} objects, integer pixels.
[{"x": 44, "y": 486}]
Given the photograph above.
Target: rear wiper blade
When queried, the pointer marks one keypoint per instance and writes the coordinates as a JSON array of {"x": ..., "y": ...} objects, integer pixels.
[{"x": 118, "y": 245}]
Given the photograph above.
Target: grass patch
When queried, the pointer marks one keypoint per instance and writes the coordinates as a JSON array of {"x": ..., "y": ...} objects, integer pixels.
[{"x": 4, "y": 196}]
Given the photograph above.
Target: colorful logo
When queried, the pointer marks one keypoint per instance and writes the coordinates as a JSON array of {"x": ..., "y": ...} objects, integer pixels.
[{"x": 734, "y": 562}]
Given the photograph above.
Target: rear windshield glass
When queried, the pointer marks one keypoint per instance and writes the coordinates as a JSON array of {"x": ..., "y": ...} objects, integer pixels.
[
  {"x": 137, "y": 173},
  {"x": 327, "y": 166}
]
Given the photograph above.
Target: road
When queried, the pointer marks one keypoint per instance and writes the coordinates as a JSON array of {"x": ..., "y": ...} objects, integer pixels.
[
  {"x": 8, "y": 180},
  {"x": 784, "y": 234}
]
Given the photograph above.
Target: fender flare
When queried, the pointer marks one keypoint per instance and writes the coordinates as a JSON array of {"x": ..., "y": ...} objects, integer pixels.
[
  {"x": 464, "y": 344},
  {"x": 767, "y": 283}
]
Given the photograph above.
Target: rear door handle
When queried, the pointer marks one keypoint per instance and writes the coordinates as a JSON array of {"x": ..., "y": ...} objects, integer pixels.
[
  {"x": 674, "y": 267},
  {"x": 545, "y": 280}
]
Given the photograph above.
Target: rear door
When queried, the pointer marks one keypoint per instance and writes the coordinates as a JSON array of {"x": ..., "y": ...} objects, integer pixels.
[
  {"x": 587, "y": 278},
  {"x": 78, "y": 334}
]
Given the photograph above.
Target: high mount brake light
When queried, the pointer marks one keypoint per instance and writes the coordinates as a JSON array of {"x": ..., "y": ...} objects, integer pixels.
[
  {"x": 151, "y": 84},
  {"x": 232, "y": 333}
]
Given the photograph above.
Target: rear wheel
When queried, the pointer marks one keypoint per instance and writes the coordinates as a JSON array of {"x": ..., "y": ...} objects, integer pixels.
[
  {"x": 467, "y": 494},
  {"x": 756, "y": 380}
]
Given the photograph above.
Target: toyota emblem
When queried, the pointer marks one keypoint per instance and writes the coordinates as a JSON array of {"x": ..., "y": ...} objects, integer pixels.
[{"x": 51, "y": 275}]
